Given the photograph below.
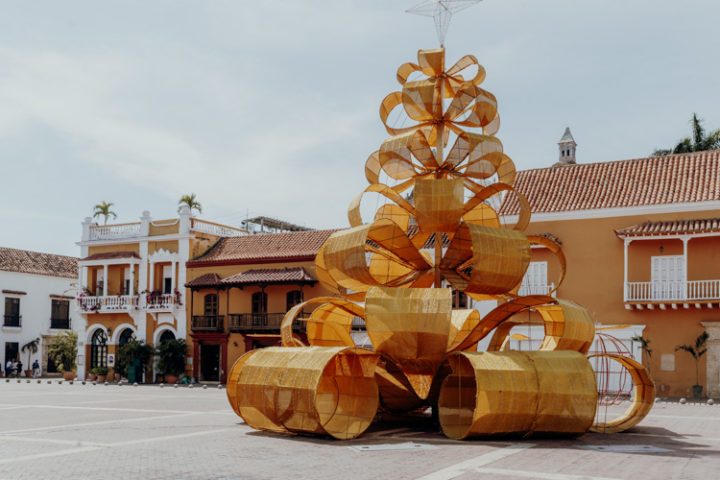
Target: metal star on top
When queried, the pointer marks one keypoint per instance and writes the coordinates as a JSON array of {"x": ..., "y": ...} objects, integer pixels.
[{"x": 441, "y": 11}]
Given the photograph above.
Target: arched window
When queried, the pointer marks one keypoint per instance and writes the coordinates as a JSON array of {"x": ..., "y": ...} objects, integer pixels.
[
  {"x": 125, "y": 337},
  {"x": 167, "y": 336},
  {"x": 211, "y": 304},
  {"x": 259, "y": 302},
  {"x": 98, "y": 349},
  {"x": 292, "y": 298}
]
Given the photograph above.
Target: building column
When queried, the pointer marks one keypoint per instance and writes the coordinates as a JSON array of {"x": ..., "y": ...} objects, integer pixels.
[
  {"x": 712, "y": 359},
  {"x": 105, "y": 280},
  {"x": 173, "y": 267},
  {"x": 685, "y": 241},
  {"x": 196, "y": 359},
  {"x": 625, "y": 269},
  {"x": 131, "y": 290},
  {"x": 151, "y": 286}
]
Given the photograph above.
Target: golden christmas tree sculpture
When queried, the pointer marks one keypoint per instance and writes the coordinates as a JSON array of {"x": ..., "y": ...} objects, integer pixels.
[{"x": 391, "y": 272}]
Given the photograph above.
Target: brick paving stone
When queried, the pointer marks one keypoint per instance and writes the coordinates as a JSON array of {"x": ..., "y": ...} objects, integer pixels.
[{"x": 98, "y": 432}]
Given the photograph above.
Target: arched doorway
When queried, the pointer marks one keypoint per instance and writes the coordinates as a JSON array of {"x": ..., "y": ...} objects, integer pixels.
[
  {"x": 98, "y": 349},
  {"x": 125, "y": 336},
  {"x": 166, "y": 336}
]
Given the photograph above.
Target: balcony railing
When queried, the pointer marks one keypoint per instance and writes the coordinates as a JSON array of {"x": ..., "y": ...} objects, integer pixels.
[
  {"x": 216, "y": 229},
  {"x": 165, "y": 301},
  {"x": 694, "y": 290},
  {"x": 111, "y": 303},
  {"x": 12, "y": 321},
  {"x": 60, "y": 323},
  {"x": 113, "y": 232},
  {"x": 208, "y": 323},
  {"x": 260, "y": 322},
  {"x": 536, "y": 289}
]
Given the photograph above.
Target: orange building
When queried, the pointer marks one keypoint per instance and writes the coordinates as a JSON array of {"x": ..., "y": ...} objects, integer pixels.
[
  {"x": 238, "y": 293},
  {"x": 642, "y": 241},
  {"x": 131, "y": 279}
]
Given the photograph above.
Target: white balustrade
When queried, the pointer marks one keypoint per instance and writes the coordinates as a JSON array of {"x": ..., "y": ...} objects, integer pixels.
[
  {"x": 216, "y": 229},
  {"x": 672, "y": 291},
  {"x": 110, "y": 303},
  {"x": 165, "y": 301},
  {"x": 536, "y": 289},
  {"x": 113, "y": 232}
]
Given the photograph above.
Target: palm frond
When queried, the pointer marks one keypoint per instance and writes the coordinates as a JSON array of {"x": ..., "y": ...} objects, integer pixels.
[{"x": 698, "y": 133}]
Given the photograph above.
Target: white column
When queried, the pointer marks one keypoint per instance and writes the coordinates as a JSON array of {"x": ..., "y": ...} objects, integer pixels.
[
  {"x": 105, "y": 280},
  {"x": 151, "y": 285},
  {"x": 685, "y": 241},
  {"x": 86, "y": 224},
  {"x": 131, "y": 290},
  {"x": 625, "y": 270}
]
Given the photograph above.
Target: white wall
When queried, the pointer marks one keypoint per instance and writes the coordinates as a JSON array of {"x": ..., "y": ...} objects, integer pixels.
[{"x": 35, "y": 309}]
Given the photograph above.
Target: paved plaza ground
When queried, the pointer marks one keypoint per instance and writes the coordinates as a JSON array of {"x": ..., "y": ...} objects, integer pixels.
[{"x": 123, "y": 432}]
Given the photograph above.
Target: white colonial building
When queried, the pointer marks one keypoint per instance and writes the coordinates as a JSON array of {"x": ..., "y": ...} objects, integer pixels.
[{"x": 37, "y": 292}]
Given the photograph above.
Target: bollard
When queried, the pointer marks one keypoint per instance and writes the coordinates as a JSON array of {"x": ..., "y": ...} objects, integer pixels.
[{"x": 683, "y": 401}]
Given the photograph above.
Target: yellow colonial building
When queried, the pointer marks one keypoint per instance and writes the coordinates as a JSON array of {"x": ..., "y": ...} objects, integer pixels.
[{"x": 131, "y": 282}]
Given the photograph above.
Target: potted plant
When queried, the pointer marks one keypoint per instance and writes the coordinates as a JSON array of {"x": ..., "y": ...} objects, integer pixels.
[
  {"x": 697, "y": 351},
  {"x": 646, "y": 350},
  {"x": 63, "y": 351},
  {"x": 133, "y": 359},
  {"x": 31, "y": 348},
  {"x": 101, "y": 373},
  {"x": 171, "y": 359}
]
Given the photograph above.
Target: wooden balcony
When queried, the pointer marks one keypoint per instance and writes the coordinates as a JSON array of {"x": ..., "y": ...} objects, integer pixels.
[
  {"x": 260, "y": 322},
  {"x": 208, "y": 323},
  {"x": 648, "y": 295}
]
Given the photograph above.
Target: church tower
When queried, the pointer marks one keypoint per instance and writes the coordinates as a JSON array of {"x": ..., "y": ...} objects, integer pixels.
[{"x": 567, "y": 147}]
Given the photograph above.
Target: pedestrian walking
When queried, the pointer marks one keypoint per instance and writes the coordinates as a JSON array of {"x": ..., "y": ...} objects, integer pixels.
[
  {"x": 36, "y": 369},
  {"x": 8, "y": 368},
  {"x": 19, "y": 368}
]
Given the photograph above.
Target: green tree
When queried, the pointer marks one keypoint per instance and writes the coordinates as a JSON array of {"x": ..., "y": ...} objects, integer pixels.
[
  {"x": 191, "y": 201},
  {"x": 699, "y": 141},
  {"x": 63, "y": 351},
  {"x": 696, "y": 351},
  {"x": 171, "y": 357},
  {"x": 133, "y": 350},
  {"x": 103, "y": 209}
]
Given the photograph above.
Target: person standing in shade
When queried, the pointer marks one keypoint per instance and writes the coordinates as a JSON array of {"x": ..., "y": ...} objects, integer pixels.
[
  {"x": 36, "y": 369},
  {"x": 8, "y": 368},
  {"x": 19, "y": 368}
]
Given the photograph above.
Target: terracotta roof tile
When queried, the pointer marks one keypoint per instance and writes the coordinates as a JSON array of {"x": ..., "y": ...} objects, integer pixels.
[
  {"x": 111, "y": 256},
  {"x": 682, "y": 178},
  {"x": 205, "y": 281},
  {"x": 269, "y": 248},
  {"x": 269, "y": 275},
  {"x": 24, "y": 261},
  {"x": 671, "y": 227}
]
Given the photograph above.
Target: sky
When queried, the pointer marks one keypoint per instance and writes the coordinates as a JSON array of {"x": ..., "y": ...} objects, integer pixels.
[{"x": 270, "y": 107}]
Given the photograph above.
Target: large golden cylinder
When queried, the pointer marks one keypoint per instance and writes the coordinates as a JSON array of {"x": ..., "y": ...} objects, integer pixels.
[
  {"x": 316, "y": 390},
  {"x": 517, "y": 393}
]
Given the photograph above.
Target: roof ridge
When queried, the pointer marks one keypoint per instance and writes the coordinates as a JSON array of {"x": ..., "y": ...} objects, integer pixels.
[{"x": 39, "y": 253}]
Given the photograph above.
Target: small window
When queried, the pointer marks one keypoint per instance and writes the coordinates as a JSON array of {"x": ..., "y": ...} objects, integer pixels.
[
  {"x": 211, "y": 304},
  {"x": 259, "y": 302},
  {"x": 12, "y": 312},
  {"x": 293, "y": 298},
  {"x": 459, "y": 299},
  {"x": 60, "y": 310}
]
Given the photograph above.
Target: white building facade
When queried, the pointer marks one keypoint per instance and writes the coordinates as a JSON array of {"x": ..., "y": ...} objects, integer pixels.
[{"x": 37, "y": 292}]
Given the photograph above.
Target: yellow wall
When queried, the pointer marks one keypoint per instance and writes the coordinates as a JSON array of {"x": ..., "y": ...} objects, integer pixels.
[{"x": 595, "y": 280}]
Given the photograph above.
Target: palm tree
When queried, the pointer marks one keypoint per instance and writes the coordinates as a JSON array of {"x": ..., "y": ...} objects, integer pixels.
[
  {"x": 102, "y": 209},
  {"x": 698, "y": 142},
  {"x": 696, "y": 351},
  {"x": 645, "y": 347},
  {"x": 31, "y": 348},
  {"x": 191, "y": 201}
]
